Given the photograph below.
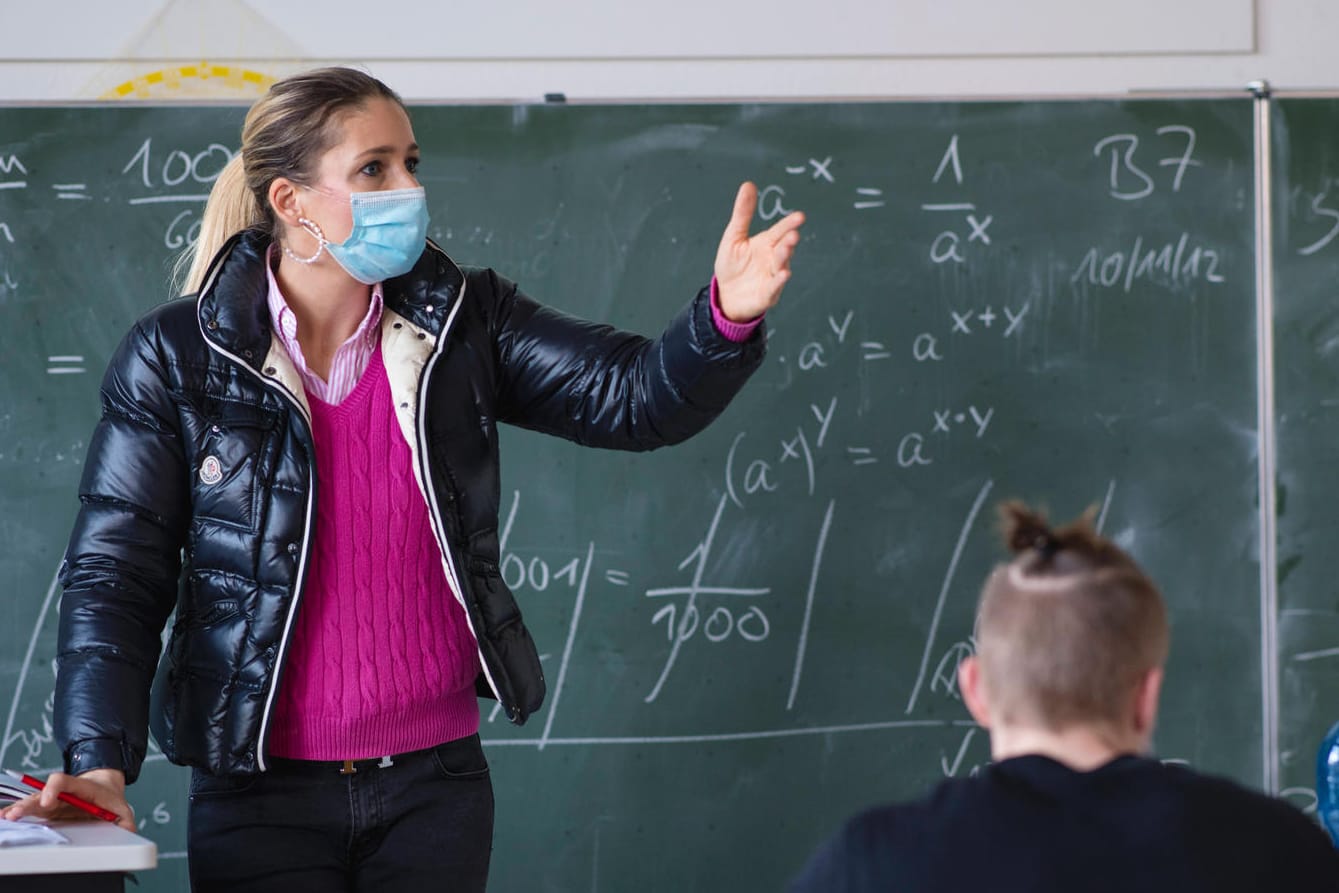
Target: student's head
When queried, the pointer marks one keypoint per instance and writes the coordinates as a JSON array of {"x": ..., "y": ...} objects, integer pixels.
[
  {"x": 308, "y": 143},
  {"x": 1069, "y": 633}
]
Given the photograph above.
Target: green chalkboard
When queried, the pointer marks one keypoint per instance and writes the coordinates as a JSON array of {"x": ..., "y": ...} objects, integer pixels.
[
  {"x": 752, "y": 635},
  {"x": 1306, "y": 315}
]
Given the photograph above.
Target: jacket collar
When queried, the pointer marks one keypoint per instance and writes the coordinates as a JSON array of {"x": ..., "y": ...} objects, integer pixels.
[
  {"x": 234, "y": 317},
  {"x": 425, "y": 294}
]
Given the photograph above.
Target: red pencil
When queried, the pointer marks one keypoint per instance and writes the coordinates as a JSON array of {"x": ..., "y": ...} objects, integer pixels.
[{"x": 92, "y": 809}]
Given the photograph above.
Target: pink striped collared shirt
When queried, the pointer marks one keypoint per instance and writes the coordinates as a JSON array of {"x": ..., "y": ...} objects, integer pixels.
[{"x": 350, "y": 360}]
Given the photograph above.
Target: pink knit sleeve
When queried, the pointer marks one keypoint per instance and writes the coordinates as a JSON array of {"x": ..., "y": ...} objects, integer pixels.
[{"x": 734, "y": 331}]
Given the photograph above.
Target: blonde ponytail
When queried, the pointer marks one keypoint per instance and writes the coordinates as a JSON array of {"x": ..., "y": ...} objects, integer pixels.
[{"x": 232, "y": 207}]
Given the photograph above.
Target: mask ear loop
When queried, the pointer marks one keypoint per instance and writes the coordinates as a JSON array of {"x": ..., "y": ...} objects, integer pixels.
[{"x": 311, "y": 227}]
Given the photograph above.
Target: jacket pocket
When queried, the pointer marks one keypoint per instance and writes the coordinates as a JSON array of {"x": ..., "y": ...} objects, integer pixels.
[{"x": 233, "y": 444}]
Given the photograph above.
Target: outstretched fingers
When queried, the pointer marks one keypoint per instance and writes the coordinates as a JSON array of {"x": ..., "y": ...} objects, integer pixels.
[
  {"x": 784, "y": 248},
  {"x": 785, "y": 227},
  {"x": 746, "y": 201}
]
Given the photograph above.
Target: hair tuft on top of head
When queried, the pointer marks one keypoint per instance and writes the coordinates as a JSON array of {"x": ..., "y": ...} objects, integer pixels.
[
  {"x": 1024, "y": 528},
  {"x": 1076, "y": 545}
]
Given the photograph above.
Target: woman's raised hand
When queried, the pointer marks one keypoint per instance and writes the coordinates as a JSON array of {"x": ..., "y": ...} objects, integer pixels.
[{"x": 751, "y": 271}]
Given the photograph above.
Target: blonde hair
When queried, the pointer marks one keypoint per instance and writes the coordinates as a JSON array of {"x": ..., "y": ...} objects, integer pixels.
[
  {"x": 1066, "y": 630},
  {"x": 284, "y": 135}
]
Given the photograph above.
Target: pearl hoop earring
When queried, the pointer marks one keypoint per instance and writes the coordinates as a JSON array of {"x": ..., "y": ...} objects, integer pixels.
[{"x": 311, "y": 227}]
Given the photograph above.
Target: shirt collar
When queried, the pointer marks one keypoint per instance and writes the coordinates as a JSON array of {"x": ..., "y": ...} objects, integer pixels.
[{"x": 286, "y": 322}]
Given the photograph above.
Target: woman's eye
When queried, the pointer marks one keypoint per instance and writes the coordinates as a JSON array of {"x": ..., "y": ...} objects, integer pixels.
[
  {"x": 372, "y": 168},
  {"x": 412, "y": 165}
]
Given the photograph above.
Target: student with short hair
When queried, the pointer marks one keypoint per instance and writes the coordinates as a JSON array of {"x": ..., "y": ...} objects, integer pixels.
[{"x": 1071, "y": 640}]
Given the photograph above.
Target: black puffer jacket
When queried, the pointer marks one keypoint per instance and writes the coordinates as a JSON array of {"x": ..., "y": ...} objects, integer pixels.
[{"x": 204, "y": 452}]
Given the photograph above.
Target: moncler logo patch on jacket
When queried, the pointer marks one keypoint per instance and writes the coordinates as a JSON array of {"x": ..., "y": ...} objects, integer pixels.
[{"x": 211, "y": 470}]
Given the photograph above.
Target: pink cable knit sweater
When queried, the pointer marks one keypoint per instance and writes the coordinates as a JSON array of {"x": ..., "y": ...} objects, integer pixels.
[{"x": 382, "y": 660}]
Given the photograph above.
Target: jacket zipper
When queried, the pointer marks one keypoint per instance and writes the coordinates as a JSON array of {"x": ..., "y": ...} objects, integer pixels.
[
  {"x": 420, "y": 426},
  {"x": 306, "y": 534}
]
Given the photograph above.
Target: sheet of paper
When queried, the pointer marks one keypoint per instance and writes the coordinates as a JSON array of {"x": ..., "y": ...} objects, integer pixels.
[{"x": 23, "y": 833}]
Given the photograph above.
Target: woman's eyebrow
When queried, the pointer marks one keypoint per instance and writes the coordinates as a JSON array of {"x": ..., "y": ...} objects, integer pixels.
[{"x": 385, "y": 150}]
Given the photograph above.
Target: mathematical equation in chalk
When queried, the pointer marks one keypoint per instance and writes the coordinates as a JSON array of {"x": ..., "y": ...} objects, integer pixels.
[{"x": 152, "y": 175}]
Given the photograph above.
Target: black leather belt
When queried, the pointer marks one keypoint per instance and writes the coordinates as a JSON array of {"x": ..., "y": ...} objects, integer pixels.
[{"x": 343, "y": 767}]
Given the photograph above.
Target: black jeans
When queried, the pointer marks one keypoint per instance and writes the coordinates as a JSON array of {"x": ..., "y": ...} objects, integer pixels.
[{"x": 423, "y": 823}]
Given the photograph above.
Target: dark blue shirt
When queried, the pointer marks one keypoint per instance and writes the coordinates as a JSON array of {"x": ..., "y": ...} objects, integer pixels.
[{"x": 1032, "y": 824}]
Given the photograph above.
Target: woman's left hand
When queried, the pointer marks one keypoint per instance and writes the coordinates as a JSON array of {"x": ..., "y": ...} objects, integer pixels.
[{"x": 751, "y": 271}]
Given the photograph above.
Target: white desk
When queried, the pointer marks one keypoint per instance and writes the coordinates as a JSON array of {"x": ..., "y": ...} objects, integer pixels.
[{"x": 95, "y": 859}]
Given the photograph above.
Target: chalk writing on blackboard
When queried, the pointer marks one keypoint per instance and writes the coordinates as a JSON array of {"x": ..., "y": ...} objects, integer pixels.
[
  {"x": 1319, "y": 210},
  {"x": 178, "y": 170},
  {"x": 1170, "y": 264},
  {"x": 1122, "y": 148},
  {"x": 682, "y": 619}
]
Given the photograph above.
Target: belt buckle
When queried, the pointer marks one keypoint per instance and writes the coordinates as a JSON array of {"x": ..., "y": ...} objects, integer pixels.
[{"x": 347, "y": 767}]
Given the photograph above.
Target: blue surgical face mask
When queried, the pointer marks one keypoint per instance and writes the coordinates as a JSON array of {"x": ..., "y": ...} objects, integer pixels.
[{"x": 389, "y": 229}]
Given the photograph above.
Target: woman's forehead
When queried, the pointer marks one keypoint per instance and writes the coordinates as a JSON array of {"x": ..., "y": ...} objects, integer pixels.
[{"x": 378, "y": 123}]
